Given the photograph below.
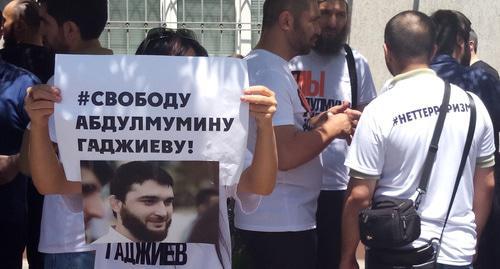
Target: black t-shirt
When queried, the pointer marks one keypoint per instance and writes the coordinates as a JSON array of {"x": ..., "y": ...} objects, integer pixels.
[
  {"x": 36, "y": 59},
  {"x": 486, "y": 67}
]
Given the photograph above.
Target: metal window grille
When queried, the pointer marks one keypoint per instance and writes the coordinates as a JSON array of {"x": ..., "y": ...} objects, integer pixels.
[{"x": 223, "y": 27}]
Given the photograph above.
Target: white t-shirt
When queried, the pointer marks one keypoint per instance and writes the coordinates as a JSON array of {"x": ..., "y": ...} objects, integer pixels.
[
  {"x": 292, "y": 204},
  {"x": 62, "y": 225},
  {"x": 325, "y": 81},
  {"x": 392, "y": 140}
]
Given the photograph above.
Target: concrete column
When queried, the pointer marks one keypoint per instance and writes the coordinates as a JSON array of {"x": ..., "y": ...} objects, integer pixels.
[
  {"x": 169, "y": 13},
  {"x": 244, "y": 33}
]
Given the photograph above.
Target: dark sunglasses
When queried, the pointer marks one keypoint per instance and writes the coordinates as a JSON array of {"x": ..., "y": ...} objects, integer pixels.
[{"x": 159, "y": 33}]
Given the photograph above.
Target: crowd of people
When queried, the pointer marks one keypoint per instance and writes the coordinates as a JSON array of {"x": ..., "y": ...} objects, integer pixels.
[{"x": 322, "y": 146}]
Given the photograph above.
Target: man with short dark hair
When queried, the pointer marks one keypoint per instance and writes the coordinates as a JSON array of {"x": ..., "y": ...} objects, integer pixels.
[
  {"x": 391, "y": 143},
  {"x": 141, "y": 197},
  {"x": 475, "y": 62},
  {"x": 68, "y": 27},
  {"x": 329, "y": 75},
  {"x": 74, "y": 26},
  {"x": 453, "y": 30},
  {"x": 281, "y": 232},
  {"x": 23, "y": 39}
]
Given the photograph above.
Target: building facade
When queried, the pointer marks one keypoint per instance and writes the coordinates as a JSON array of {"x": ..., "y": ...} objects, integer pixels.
[{"x": 223, "y": 27}]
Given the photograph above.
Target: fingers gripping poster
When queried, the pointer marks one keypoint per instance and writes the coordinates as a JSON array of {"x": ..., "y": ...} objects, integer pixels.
[{"x": 151, "y": 138}]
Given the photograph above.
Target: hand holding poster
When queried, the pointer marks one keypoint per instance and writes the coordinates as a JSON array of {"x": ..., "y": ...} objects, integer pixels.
[{"x": 168, "y": 128}]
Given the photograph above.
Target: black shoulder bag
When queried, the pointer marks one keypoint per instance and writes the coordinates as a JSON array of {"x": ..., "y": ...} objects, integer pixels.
[{"x": 425, "y": 256}]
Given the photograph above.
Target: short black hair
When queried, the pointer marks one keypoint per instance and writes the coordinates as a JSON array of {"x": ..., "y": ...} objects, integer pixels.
[
  {"x": 449, "y": 25},
  {"x": 89, "y": 15},
  {"x": 165, "y": 41},
  {"x": 273, "y": 8},
  {"x": 203, "y": 196},
  {"x": 29, "y": 12},
  {"x": 410, "y": 35},
  {"x": 137, "y": 173},
  {"x": 102, "y": 170}
]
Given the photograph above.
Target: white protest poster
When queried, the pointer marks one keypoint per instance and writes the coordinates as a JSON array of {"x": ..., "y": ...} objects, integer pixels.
[{"x": 150, "y": 137}]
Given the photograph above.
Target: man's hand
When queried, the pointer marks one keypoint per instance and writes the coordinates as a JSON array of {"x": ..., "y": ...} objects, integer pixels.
[
  {"x": 262, "y": 103},
  {"x": 323, "y": 116},
  {"x": 9, "y": 168},
  {"x": 342, "y": 124},
  {"x": 345, "y": 118},
  {"x": 39, "y": 103}
]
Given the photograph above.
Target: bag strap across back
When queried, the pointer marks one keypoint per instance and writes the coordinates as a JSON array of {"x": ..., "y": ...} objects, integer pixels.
[
  {"x": 433, "y": 148},
  {"x": 465, "y": 153},
  {"x": 353, "y": 77}
]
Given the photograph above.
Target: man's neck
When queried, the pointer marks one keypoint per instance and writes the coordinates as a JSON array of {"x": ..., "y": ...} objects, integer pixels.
[
  {"x": 92, "y": 46},
  {"x": 412, "y": 67},
  {"x": 275, "y": 43},
  {"x": 125, "y": 232},
  {"x": 474, "y": 59}
]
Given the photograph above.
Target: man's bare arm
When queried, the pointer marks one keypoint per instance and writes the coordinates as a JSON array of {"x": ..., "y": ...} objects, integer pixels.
[
  {"x": 296, "y": 147},
  {"x": 359, "y": 195},
  {"x": 260, "y": 176},
  {"x": 484, "y": 184},
  {"x": 46, "y": 170}
]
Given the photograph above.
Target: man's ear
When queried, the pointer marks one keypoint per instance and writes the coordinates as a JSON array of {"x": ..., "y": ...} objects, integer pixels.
[
  {"x": 71, "y": 33},
  {"x": 471, "y": 46},
  {"x": 434, "y": 51},
  {"x": 389, "y": 59},
  {"x": 116, "y": 204},
  {"x": 386, "y": 52},
  {"x": 286, "y": 21}
]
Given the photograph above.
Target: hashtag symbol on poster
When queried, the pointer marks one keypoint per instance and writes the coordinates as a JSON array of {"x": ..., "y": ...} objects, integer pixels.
[{"x": 83, "y": 98}]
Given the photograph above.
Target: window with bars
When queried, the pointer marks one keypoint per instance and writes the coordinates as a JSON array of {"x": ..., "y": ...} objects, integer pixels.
[{"x": 214, "y": 21}]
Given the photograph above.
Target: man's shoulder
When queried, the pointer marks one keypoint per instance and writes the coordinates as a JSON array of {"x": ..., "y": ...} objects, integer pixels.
[
  {"x": 358, "y": 56},
  {"x": 10, "y": 73},
  {"x": 112, "y": 236},
  {"x": 264, "y": 58},
  {"x": 266, "y": 67}
]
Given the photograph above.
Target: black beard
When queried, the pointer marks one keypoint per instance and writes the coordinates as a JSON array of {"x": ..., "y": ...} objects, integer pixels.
[
  {"x": 465, "y": 60},
  {"x": 330, "y": 45},
  {"x": 139, "y": 229}
]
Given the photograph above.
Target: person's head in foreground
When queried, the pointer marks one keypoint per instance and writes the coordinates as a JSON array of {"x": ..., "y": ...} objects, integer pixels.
[{"x": 165, "y": 41}]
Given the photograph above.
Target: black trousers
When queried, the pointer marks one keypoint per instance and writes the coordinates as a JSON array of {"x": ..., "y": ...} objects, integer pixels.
[
  {"x": 21, "y": 207},
  {"x": 35, "y": 206},
  {"x": 328, "y": 219},
  {"x": 281, "y": 250}
]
